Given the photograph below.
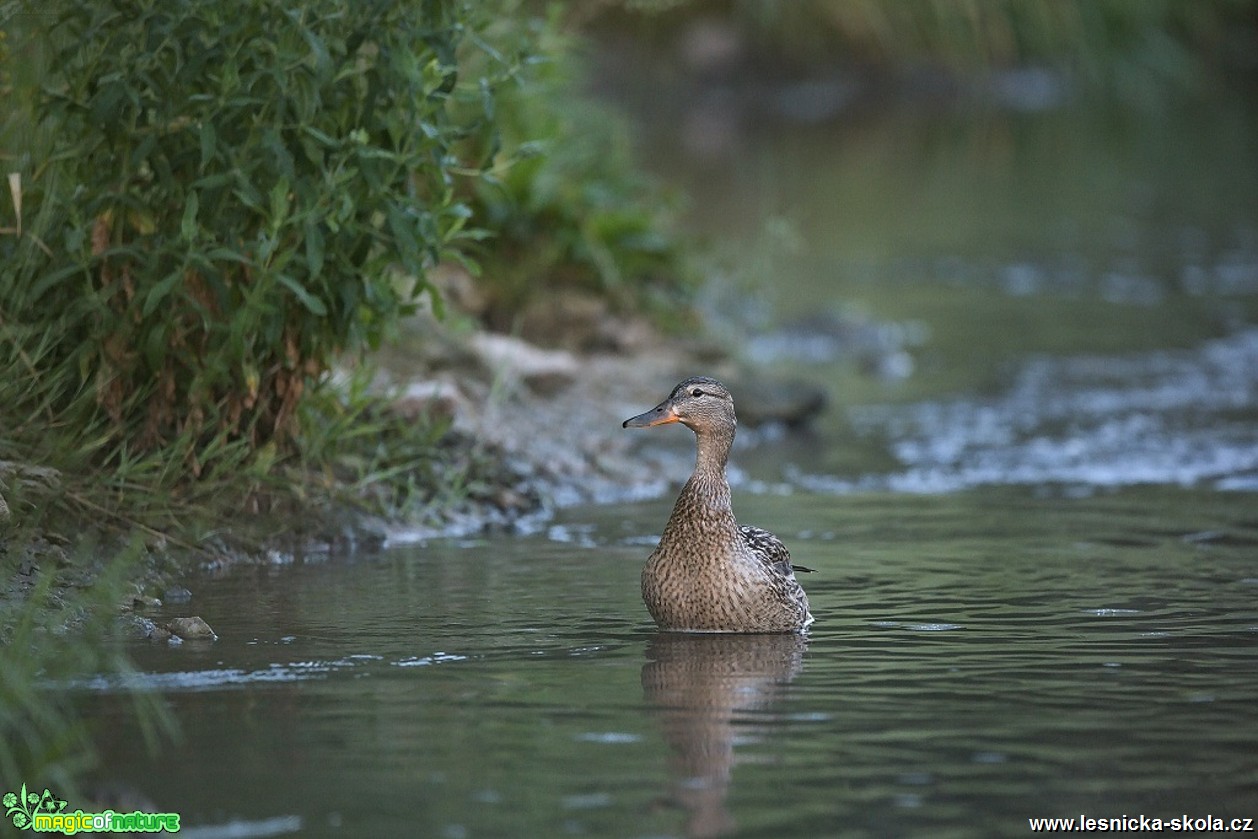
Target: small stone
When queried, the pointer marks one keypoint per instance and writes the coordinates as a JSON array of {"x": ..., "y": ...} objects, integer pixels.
[
  {"x": 583, "y": 323},
  {"x": 509, "y": 500},
  {"x": 436, "y": 399},
  {"x": 25, "y": 474},
  {"x": 146, "y": 601},
  {"x": 545, "y": 372},
  {"x": 191, "y": 629},
  {"x": 145, "y": 628},
  {"x": 177, "y": 594}
]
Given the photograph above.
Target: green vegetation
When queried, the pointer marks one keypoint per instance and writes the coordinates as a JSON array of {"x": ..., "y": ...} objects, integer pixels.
[
  {"x": 212, "y": 205},
  {"x": 243, "y": 184},
  {"x": 563, "y": 200},
  {"x": 209, "y": 208},
  {"x": 62, "y": 629}
]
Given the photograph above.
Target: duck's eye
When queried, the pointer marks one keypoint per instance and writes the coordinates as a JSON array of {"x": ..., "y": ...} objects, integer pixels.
[{"x": 696, "y": 392}]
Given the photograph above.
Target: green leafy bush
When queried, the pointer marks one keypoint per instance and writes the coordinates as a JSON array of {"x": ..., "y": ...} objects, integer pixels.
[
  {"x": 236, "y": 190},
  {"x": 563, "y": 197},
  {"x": 221, "y": 200}
]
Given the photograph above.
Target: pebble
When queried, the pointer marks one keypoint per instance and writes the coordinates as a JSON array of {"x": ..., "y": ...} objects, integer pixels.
[
  {"x": 545, "y": 372},
  {"x": 177, "y": 594},
  {"x": 146, "y": 628},
  {"x": 191, "y": 629}
]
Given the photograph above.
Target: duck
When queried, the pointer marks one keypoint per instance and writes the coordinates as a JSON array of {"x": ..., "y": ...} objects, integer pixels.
[{"x": 709, "y": 573}]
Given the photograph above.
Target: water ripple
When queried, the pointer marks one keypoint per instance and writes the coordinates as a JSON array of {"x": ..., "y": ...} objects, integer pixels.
[{"x": 1173, "y": 417}]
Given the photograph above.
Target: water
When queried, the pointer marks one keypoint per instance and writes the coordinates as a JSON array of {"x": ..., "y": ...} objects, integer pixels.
[
  {"x": 1171, "y": 417},
  {"x": 979, "y": 658},
  {"x": 1035, "y": 533}
]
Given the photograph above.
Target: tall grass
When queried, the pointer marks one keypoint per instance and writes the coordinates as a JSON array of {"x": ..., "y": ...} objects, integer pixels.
[{"x": 51, "y": 642}]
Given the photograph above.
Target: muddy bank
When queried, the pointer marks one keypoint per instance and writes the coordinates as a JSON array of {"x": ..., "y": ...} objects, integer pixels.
[{"x": 551, "y": 415}]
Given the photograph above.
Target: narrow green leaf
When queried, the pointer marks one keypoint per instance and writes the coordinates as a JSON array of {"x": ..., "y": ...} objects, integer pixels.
[
  {"x": 248, "y": 195},
  {"x": 319, "y": 52},
  {"x": 53, "y": 278},
  {"x": 312, "y": 303},
  {"x": 159, "y": 291},
  {"x": 322, "y": 137},
  {"x": 156, "y": 346},
  {"x": 212, "y": 181},
  {"x": 209, "y": 142},
  {"x": 188, "y": 226},
  {"x": 279, "y": 203},
  {"x": 227, "y": 255},
  {"x": 314, "y": 248}
]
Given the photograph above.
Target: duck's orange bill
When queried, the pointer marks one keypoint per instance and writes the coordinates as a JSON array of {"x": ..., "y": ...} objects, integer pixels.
[{"x": 659, "y": 415}]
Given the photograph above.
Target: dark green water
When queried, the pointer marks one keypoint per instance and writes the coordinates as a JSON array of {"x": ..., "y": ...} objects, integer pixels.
[
  {"x": 979, "y": 659},
  {"x": 1037, "y": 552}
]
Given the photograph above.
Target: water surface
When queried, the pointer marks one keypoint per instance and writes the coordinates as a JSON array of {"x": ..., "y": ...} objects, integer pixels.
[
  {"x": 1035, "y": 532},
  {"x": 978, "y": 659}
]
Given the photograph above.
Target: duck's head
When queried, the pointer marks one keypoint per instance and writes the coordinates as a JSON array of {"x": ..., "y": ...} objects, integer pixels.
[{"x": 701, "y": 403}]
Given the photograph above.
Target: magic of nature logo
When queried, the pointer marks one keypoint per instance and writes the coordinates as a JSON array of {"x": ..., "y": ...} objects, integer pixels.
[{"x": 46, "y": 813}]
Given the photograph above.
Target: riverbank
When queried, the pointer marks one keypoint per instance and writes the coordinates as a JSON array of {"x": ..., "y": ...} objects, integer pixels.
[
  {"x": 545, "y": 411},
  {"x": 528, "y": 429}
]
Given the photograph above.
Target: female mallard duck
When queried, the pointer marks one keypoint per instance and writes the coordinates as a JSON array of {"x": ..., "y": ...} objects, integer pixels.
[{"x": 708, "y": 574}]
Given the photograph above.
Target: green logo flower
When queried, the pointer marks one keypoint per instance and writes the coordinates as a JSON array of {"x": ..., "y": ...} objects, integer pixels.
[{"x": 22, "y": 806}]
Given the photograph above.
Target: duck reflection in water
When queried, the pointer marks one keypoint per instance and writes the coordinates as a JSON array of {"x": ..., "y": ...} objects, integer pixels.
[{"x": 708, "y": 690}]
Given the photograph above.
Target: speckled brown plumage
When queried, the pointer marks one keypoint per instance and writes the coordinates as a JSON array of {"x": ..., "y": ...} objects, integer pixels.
[{"x": 708, "y": 574}]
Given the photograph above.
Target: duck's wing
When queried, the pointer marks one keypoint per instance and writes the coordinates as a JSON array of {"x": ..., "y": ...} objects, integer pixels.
[{"x": 770, "y": 550}]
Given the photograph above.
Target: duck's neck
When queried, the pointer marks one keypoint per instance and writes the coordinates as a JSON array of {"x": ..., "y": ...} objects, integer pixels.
[
  {"x": 706, "y": 495},
  {"x": 711, "y": 454},
  {"x": 712, "y": 448},
  {"x": 703, "y": 514}
]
